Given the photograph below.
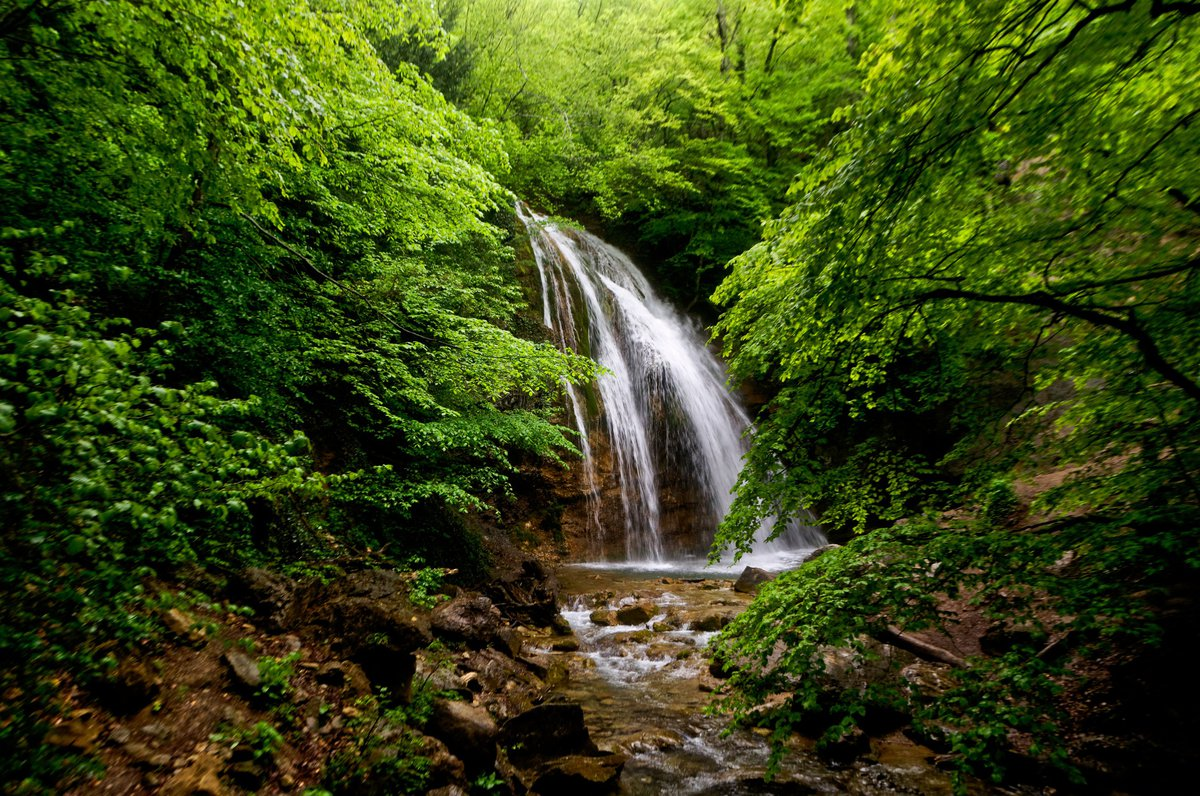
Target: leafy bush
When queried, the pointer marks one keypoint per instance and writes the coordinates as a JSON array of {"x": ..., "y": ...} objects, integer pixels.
[{"x": 850, "y": 597}]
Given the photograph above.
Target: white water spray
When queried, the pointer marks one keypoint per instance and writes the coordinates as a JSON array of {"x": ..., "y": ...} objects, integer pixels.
[{"x": 664, "y": 404}]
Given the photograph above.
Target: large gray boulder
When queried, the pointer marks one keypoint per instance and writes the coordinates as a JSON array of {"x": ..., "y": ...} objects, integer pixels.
[{"x": 750, "y": 579}]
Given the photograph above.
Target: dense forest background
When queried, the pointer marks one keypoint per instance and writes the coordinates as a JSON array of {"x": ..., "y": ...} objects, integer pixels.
[{"x": 260, "y": 305}]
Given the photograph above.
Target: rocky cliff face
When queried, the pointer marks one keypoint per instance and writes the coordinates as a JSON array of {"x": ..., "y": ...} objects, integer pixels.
[{"x": 590, "y": 524}]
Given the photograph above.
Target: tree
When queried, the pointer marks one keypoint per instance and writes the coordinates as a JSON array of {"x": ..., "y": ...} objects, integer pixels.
[
  {"x": 634, "y": 114},
  {"x": 990, "y": 274},
  {"x": 224, "y": 222}
]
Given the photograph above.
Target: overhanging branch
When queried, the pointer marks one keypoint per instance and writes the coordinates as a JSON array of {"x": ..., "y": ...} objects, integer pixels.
[{"x": 1128, "y": 326}]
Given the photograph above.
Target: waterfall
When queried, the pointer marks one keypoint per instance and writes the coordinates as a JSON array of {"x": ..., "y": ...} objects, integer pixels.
[{"x": 674, "y": 432}]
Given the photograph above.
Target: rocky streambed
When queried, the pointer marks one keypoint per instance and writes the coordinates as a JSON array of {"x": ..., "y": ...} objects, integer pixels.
[{"x": 641, "y": 676}]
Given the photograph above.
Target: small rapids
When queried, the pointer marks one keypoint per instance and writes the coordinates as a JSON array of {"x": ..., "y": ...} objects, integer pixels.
[{"x": 642, "y": 678}]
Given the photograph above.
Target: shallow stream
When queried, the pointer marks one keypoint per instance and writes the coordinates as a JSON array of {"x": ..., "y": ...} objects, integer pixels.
[{"x": 644, "y": 683}]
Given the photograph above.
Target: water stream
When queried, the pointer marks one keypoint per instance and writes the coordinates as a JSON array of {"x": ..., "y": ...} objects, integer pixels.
[{"x": 643, "y": 682}]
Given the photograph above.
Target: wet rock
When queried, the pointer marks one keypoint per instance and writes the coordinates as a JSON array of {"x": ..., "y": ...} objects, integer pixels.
[
  {"x": 507, "y": 641},
  {"x": 561, "y": 626},
  {"x": 446, "y": 790},
  {"x": 709, "y": 621},
  {"x": 550, "y": 730},
  {"x": 750, "y": 579},
  {"x": 654, "y": 740},
  {"x": 468, "y": 732},
  {"x": 569, "y": 644},
  {"x": 244, "y": 669},
  {"x": 637, "y": 614},
  {"x": 603, "y": 617},
  {"x": 272, "y": 595},
  {"x": 558, "y": 674},
  {"x": 664, "y": 650},
  {"x": 580, "y": 775},
  {"x": 367, "y": 617},
  {"x": 469, "y": 617}
]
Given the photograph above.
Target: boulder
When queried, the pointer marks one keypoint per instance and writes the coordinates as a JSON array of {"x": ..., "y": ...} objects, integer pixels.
[
  {"x": 580, "y": 775},
  {"x": 469, "y": 732},
  {"x": 565, "y": 644},
  {"x": 550, "y": 730},
  {"x": 709, "y": 621},
  {"x": 603, "y": 617},
  {"x": 445, "y": 770},
  {"x": 637, "y": 614},
  {"x": 523, "y": 589},
  {"x": 750, "y": 579},
  {"x": 505, "y": 687},
  {"x": 243, "y": 668},
  {"x": 366, "y": 616},
  {"x": 469, "y": 617},
  {"x": 271, "y": 595}
]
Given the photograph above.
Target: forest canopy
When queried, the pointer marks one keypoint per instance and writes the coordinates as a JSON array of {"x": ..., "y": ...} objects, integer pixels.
[{"x": 260, "y": 303}]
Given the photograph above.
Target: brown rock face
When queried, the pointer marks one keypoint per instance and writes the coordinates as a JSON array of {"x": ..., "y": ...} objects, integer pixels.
[
  {"x": 368, "y": 618},
  {"x": 468, "y": 731},
  {"x": 591, "y": 521}
]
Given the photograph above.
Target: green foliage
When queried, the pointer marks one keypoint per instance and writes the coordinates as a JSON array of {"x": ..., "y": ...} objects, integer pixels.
[
  {"x": 275, "y": 686},
  {"x": 672, "y": 122},
  {"x": 989, "y": 254},
  {"x": 426, "y": 585},
  {"x": 224, "y": 222},
  {"x": 262, "y": 740},
  {"x": 901, "y": 576},
  {"x": 488, "y": 783},
  {"x": 383, "y": 755},
  {"x": 983, "y": 279}
]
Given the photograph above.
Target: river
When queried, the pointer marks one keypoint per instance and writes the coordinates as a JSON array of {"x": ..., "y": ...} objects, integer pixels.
[{"x": 644, "y": 687}]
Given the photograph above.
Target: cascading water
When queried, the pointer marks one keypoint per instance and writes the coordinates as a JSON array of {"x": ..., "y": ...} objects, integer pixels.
[{"x": 663, "y": 409}]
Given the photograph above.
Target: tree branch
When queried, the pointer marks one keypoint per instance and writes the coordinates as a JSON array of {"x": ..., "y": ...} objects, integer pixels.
[
  {"x": 922, "y": 649},
  {"x": 1128, "y": 326}
]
